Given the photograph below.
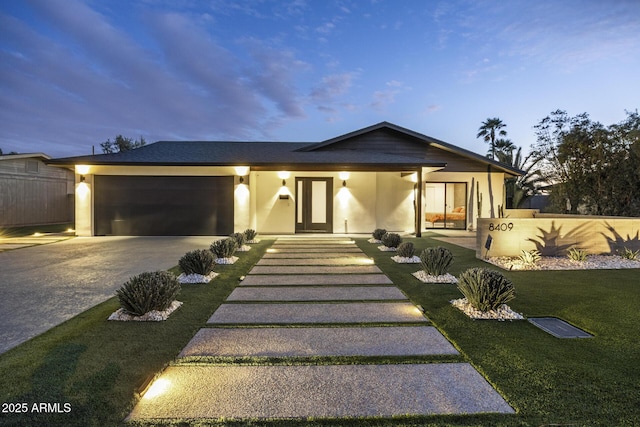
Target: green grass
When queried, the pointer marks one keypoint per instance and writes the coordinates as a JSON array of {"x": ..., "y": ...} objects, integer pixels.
[{"x": 96, "y": 365}]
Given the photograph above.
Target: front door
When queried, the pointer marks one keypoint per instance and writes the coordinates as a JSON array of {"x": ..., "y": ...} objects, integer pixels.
[{"x": 314, "y": 205}]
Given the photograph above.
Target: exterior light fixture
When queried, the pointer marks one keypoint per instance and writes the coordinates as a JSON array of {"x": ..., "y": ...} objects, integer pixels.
[
  {"x": 82, "y": 169},
  {"x": 241, "y": 179},
  {"x": 344, "y": 176},
  {"x": 82, "y": 178},
  {"x": 284, "y": 183}
]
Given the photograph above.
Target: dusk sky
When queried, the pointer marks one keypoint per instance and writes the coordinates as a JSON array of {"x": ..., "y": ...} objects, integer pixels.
[{"x": 74, "y": 73}]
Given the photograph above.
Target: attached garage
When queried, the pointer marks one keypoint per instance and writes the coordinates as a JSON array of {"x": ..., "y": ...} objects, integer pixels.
[{"x": 163, "y": 205}]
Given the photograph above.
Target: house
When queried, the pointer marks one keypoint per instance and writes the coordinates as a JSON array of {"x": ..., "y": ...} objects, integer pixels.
[
  {"x": 34, "y": 193},
  {"x": 354, "y": 183}
]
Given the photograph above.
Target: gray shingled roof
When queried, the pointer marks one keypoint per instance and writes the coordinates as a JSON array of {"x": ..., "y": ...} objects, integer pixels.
[{"x": 255, "y": 154}]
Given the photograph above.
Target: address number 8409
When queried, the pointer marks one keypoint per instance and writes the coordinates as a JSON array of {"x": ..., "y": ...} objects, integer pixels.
[{"x": 501, "y": 226}]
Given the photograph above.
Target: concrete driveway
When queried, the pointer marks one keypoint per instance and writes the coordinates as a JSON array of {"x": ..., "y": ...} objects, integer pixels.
[{"x": 42, "y": 286}]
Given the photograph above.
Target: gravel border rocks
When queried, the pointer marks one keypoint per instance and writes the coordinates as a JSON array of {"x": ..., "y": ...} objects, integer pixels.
[
  {"x": 406, "y": 260},
  {"x": 502, "y": 313},
  {"x": 196, "y": 278},
  {"x": 151, "y": 316},
  {"x": 593, "y": 262},
  {"x": 425, "y": 278}
]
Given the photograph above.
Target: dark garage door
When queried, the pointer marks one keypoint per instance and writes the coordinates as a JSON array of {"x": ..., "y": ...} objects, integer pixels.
[{"x": 163, "y": 205}]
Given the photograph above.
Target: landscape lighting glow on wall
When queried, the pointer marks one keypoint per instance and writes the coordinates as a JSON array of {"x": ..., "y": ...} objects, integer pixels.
[
  {"x": 82, "y": 169},
  {"x": 344, "y": 176},
  {"x": 242, "y": 171}
]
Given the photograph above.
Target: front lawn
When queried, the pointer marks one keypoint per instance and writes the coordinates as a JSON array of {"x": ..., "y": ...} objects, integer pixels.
[
  {"x": 549, "y": 381},
  {"x": 96, "y": 365}
]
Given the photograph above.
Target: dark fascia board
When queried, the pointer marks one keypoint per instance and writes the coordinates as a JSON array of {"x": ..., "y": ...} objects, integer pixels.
[{"x": 432, "y": 141}]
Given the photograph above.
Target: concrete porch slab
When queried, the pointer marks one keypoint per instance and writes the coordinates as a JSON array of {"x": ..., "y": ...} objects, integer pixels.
[
  {"x": 360, "y": 312},
  {"x": 362, "y": 260},
  {"x": 316, "y": 293},
  {"x": 241, "y": 392},
  {"x": 362, "y": 269},
  {"x": 301, "y": 342},
  {"x": 316, "y": 279}
]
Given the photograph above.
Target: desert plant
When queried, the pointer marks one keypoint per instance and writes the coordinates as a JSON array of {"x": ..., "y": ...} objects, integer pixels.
[
  {"x": 485, "y": 289},
  {"x": 406, "y": 250},
  {"x": 577, "y": 254},
  {"x": 630, "y": 254},
  {"x": 148, "y": 291},
  {"x": 378, "y": 233},
  {"x": 529, "y": 258},
  {"x": 200, "y": 261},
  {"x": 250, "y": 234},
  {"x": 224, "y": 248},
  {"x": 239, "y": 238},
  {"x": 436, "y": 261},
  {"x": 391, "y": 240}
]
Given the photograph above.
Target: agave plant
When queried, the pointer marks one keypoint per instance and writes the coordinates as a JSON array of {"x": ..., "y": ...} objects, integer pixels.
[
  {"x": 485, "y": 289},
  {"x": 576, "y": 254},
  {"x": 529, "y": 258},
  {"x": 436, "y": 261},
  {"x": 630, "y": 254}
]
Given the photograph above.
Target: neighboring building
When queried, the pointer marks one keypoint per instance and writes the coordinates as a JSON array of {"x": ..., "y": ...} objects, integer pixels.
[
  {"x": 34, "y": 193},
  {"x": 353, "y": 183}
]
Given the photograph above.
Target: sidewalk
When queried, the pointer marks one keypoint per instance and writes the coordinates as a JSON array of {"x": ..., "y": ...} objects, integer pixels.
[{"x": 342, "y": 306}]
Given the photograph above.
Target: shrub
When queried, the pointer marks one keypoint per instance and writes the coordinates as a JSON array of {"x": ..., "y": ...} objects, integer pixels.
[
  {"x": 530, "y": 258},
  {"x": 224, "y": 248},
  {"x": 239, "y": 238},
  {"x": 250, "y": 234},
  {"x": 630, "y": 254},
  {"x": 576, "y": 254},
  {"x": 378, "y": 233},
  {"x": 148, "y": 291},
  {"x": 485, "y": 289},
  {"x": 200, "y": 261},
  {"x": 391, "y": 240},
  {"x": 406, "y": 250},
  {"x": 436, "y": 261}
]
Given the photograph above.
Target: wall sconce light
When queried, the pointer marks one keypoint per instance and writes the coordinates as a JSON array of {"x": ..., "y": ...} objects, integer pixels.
[
  {"x": 82, "y": 178},
  {"x": 241, "y": 180},
  {"x": 344, "y": 176},
  {"x": 284, "y": 183}
]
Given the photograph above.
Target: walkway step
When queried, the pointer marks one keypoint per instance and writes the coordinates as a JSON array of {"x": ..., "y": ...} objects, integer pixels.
[
  {"x": 315, "y": 249},
  {"x": 317, "y": 261},
  {"x": 242, "y": 392},
  {"x": 306, "y": 255},
  {"x": 306, "y": 247},
  {"x": 362, "y": 269},
  {"x": 316, "y": 279},
  {"x": 361, "y": 312},
  {"x": 296, "y": 242},
  {"x": 306, "y": 342},
  {"x": 316, "y": 293}
]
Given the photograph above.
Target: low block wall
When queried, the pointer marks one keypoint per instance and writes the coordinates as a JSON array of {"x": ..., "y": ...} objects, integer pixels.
[{"x": 555, "y": 236}]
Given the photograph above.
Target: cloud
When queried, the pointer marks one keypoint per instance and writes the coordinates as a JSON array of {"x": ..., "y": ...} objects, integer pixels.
[
  {"x": 327, "y": 94},
  {"x": 383, "y": 98}
]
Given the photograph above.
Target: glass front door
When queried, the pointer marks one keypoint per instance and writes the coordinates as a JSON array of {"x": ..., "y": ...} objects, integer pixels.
[
  {"x": 445, "y": 205},
  {"x": 314, "y": 205}
]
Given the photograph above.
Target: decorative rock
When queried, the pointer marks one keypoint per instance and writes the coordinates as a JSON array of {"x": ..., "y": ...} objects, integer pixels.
[
  {"x": 502, "y": 313},
  {"x": 593, "y": 262},
  {"x": 374, "y": 241},
  {"x": 425, "y": 278},
  {"x": 243, "y": 248},
  {"x": 151, "y": 316},
  {"x": 387, "y": 249},
  {"x": 229, "y": 260},
  {"x": 405, "y": 260},
  {"x": 196, "y": 278}
]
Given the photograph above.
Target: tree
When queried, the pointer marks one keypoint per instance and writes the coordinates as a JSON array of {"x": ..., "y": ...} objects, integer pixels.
[
  {"x": 520, "y": 189},
  {"x": 121, "y": 144},
  {"x": 489, "y": 130},
  {"x": 594, "y": 169},
  {"x": 504, "y": 150}
]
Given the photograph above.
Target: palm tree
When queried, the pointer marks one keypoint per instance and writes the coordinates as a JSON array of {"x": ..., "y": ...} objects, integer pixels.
[
  {"x": 504, "y": 150},
  {"x": 522, "y": 188},
  {"x": 488, "y": 131}
]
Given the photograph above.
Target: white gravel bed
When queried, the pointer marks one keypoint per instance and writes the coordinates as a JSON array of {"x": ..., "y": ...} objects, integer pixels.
[
  {"x": 196, "y": 278},
  {"x": 593, "y": 262},
  {"x": 253, "y": 241},
  {"x": 502, "y": 313},
  {"x": 406, "y": 260},
  {"x": 243, "y": 248},
  {"x": 425, "y": 278},
  {"x": 374, "y": 241},
  {"x": 229, "y": 260},
  {"x": 151, "y": 316},
  {"x": 387, "y": 249}
]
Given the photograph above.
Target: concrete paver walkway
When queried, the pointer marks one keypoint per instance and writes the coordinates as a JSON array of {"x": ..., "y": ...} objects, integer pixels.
[{"x": 265, "y": 300}]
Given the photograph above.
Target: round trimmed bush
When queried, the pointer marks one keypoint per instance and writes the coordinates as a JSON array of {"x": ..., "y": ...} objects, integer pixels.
[
  {"x": 436, "y": 261},
  {"x": 147, "y": 292},
  {"x": 378, "y": 233},
  {"x": 406, "y": 250},
  {"x": 485, "y": 289},
  {"x": 200, "y": 261},
  {"x": 391, "y": 240}
]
